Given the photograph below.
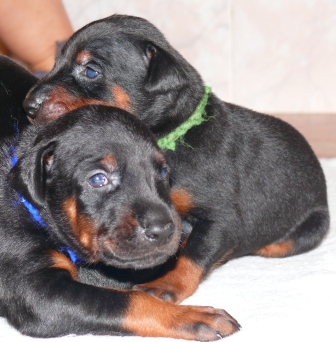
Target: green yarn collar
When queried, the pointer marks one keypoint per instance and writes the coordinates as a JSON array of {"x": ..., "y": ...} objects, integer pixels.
[{"x": 168, "y": 142}]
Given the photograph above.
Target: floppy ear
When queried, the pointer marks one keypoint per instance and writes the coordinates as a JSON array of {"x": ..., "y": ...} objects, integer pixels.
[
  {"x": 164, "y": 72},
  {"x": 29, "y": 174}
]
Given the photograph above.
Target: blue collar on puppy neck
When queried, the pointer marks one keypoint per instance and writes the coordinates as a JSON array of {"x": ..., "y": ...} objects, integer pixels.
[{"x": 34, "y": 212}]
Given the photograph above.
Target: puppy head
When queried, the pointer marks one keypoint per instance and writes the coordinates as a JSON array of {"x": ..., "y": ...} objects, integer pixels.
[
  {"x": 121, "y": 61},
  {"x": 102, "y": 187}
]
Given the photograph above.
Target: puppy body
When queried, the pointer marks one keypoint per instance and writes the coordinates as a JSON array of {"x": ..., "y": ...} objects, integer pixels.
[
  {"x": 248, "y": 183},
  {"x": 15, "y": 81},
  {"x": 101, "y": 188}
]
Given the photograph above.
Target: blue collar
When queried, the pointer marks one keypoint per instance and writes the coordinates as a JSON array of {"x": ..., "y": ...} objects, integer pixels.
[{"x": 34, "y": 212}]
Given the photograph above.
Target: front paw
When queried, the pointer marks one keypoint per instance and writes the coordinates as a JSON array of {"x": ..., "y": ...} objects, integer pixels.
[
  {"x": 162, "y": 290},
  {"x": 206, "y": 323},
  {"x": 149, "y": 317},
  {"x": 177, "y": 284}
]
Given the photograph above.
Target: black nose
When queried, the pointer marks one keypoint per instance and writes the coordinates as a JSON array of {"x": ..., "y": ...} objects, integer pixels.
[
  {"x": 160, "y": 234},
  {"x": 32, "y": 104}
]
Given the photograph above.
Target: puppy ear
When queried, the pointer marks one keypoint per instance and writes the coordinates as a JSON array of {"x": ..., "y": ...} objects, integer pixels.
[
  {"x": 164, "y": 72},
  {"x": 28, "y": 176}
]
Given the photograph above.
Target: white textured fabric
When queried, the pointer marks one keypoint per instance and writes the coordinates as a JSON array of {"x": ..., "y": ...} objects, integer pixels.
[{"x": 291, "y": 299}]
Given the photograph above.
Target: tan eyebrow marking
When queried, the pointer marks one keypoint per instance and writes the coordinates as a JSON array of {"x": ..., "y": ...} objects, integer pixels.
[{"x": 83, "y": 57}]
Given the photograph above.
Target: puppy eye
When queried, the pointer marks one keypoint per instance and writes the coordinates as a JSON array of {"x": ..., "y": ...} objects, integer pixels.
[
  {"x": 150, "y": 51},
  {"x": 164, "y": 173},
  {"x": 98, "y": 180},
  {"x": 90, "y": 73}
]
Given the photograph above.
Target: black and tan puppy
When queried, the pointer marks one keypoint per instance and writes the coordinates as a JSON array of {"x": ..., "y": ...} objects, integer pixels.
[
  {"x": 90, "y": 187},
  {"x": 247, "y": 183}
]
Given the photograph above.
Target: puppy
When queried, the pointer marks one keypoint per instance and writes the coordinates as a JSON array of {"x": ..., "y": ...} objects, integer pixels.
[
  {"x": 90, "y": 187},
  {"x": 247, "y": 183}
]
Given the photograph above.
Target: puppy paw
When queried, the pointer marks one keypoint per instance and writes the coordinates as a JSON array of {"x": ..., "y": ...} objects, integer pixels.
[
  {"x": 207, "y": 323},
  {"x": 163, "y": 290},
  {"x": 177, "y": 284},
  {"x": 177, "y": 321}
]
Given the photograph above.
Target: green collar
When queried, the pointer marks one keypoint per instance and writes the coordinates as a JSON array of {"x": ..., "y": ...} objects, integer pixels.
[{"x": 168, "y": 142}]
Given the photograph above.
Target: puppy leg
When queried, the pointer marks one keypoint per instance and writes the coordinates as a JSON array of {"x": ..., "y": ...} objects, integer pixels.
[
  {"x": 206, "y": 248},
  {"x": 149, "y": 316},
  {"x": 176, "y": 284},
  {"x": 49, "y": 302},
  {"x": 302, "y": 238}
]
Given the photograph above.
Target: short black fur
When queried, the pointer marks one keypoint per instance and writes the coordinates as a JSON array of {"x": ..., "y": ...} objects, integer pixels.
[
  {"x": 15, "y": 81},
  {"x": 251, "y": 182},
  {"x": 100, "y": 184}
]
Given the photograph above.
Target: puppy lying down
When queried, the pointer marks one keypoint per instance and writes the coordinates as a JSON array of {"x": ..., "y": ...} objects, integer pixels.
[{"x": 90, "y": 188}]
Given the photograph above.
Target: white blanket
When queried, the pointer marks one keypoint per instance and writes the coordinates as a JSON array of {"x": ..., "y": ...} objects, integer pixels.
[{"x": 291, "y": 299}]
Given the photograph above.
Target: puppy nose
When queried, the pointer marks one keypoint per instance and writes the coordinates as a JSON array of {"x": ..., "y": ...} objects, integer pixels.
[
  {"x": 32, "y": 104},
  {"x": 160, "y": 234}
]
